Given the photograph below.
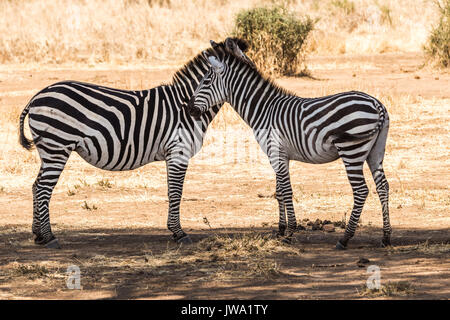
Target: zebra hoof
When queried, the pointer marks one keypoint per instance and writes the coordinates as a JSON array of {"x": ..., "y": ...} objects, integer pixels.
[
  {"x": 277, "y": 234},
  {"x": 54, "y": 244},
  {"x": 386, "y": 243},
  {"x": 340, "y": 246},
  {"x": 287, "y": 240},
  {"x": 39, "y": 240},
  {"x": 184, "y": 240}
]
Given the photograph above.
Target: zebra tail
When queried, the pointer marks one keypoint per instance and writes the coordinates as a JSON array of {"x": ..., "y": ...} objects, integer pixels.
[
  {"x": 24, "y": 141},
  {"x": 348, "y": 137}
]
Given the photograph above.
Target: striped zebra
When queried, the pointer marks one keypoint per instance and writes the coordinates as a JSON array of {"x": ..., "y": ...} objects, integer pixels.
[
  {"x": 352, "y": 126},
  {"x": 117, "y": 130}
]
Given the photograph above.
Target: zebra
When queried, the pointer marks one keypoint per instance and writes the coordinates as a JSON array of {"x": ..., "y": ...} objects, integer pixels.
[
  {"x": 351, "y": 125},
  {"x": 117, "y": 130}
]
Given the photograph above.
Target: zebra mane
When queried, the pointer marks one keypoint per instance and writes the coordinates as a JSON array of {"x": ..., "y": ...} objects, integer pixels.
[
  {"x": 242, "y": 64},
  {"x": 195, "y": 64},
  {"x": 271, "y": 82},
  {"x": 199, "y": 61}
]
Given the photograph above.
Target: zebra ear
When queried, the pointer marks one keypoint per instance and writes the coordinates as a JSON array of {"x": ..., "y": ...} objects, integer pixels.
[
  {"x": 216, "y": 64},
  {"x": 213, "y": 44},
  {"x": 242, "y": 44},
  {"x": 234, "y": 47},
  {"x": 229, "y": 43}
]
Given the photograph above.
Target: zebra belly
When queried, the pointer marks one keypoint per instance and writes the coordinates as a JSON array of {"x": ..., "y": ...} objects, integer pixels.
[
  {"x": 88, "y": 154},
  {"x": 327, "y": 152}
]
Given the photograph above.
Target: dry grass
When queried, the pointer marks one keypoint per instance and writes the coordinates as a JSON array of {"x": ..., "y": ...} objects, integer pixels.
[
  {"x": 426, "y": 248},
  {"x": 244, "y": 246},
  {"x": 107, "y": 31},
  {"x": 217, "y": 257},
  {"x": 391, "y": 289},
  {"x": 30, "y": 271},
  {"x": 164, "y": 32},
  {"x": 105, "y": 184},
  {"x": 227, "y": 257},
  {"x": 438, "y": 46},
  {"x": 88, "y": 207}
]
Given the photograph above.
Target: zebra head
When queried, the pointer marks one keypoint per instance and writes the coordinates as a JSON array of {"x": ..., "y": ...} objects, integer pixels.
[{"x": 211, "y": 90}]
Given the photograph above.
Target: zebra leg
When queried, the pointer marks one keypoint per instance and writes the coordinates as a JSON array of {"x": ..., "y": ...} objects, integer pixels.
[
  {"x": 42, "y": 191},
  {"x": 176, "y": 171},
  {"x": 360, "y": 191},
  {"x": 375, "y": 162},
  {"x": 282, "y": 211},
  {"x": 383, "y": 194},
  {"x": 36, "y": 226},
  {"x": 280, "y": 164}
]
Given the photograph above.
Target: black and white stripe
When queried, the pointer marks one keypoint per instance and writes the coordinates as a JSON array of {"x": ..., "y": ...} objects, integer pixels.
[
  {"x": 352, "y": 126},
  {"x": 115, "y": 130}
]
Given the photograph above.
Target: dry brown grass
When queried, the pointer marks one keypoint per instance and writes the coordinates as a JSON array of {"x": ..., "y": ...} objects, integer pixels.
[
  {"x": 425, "y": 248},
  {"x": 226, "y": 257},
  {"x": 390, "y": 289},
  {"x": 216, "y": 257},
  {"x": 169, "y": 32},
  {"x": 31, "y": 271}
]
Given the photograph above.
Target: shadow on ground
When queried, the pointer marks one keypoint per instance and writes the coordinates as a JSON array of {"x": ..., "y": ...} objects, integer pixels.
[{"x": 145, "y": 263}]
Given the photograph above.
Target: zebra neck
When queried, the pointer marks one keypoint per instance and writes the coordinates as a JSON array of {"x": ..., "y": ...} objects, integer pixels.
[
  {"x": 186, "y": 79},
  {"x": 176, "y": 95},
  {"x": 175, "y": 98},
  {"x": 253, "y": 98},
  {"x": 182, "y": 93},
  {"x": 183, "y": 87}
]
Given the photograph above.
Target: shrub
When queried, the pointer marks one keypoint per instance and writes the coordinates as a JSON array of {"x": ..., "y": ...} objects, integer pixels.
[
  {"x": 276, "y": 38},
  {"x": 438, "y": 47}
]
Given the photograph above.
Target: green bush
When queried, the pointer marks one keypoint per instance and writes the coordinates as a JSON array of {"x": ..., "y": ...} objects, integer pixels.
[
  {"x": 438, "y": 46},
  {"x": 276, "y": 38}
]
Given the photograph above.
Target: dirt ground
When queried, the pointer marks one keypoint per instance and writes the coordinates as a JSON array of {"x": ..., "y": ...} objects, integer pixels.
[{"x": 113, "y": 225}]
